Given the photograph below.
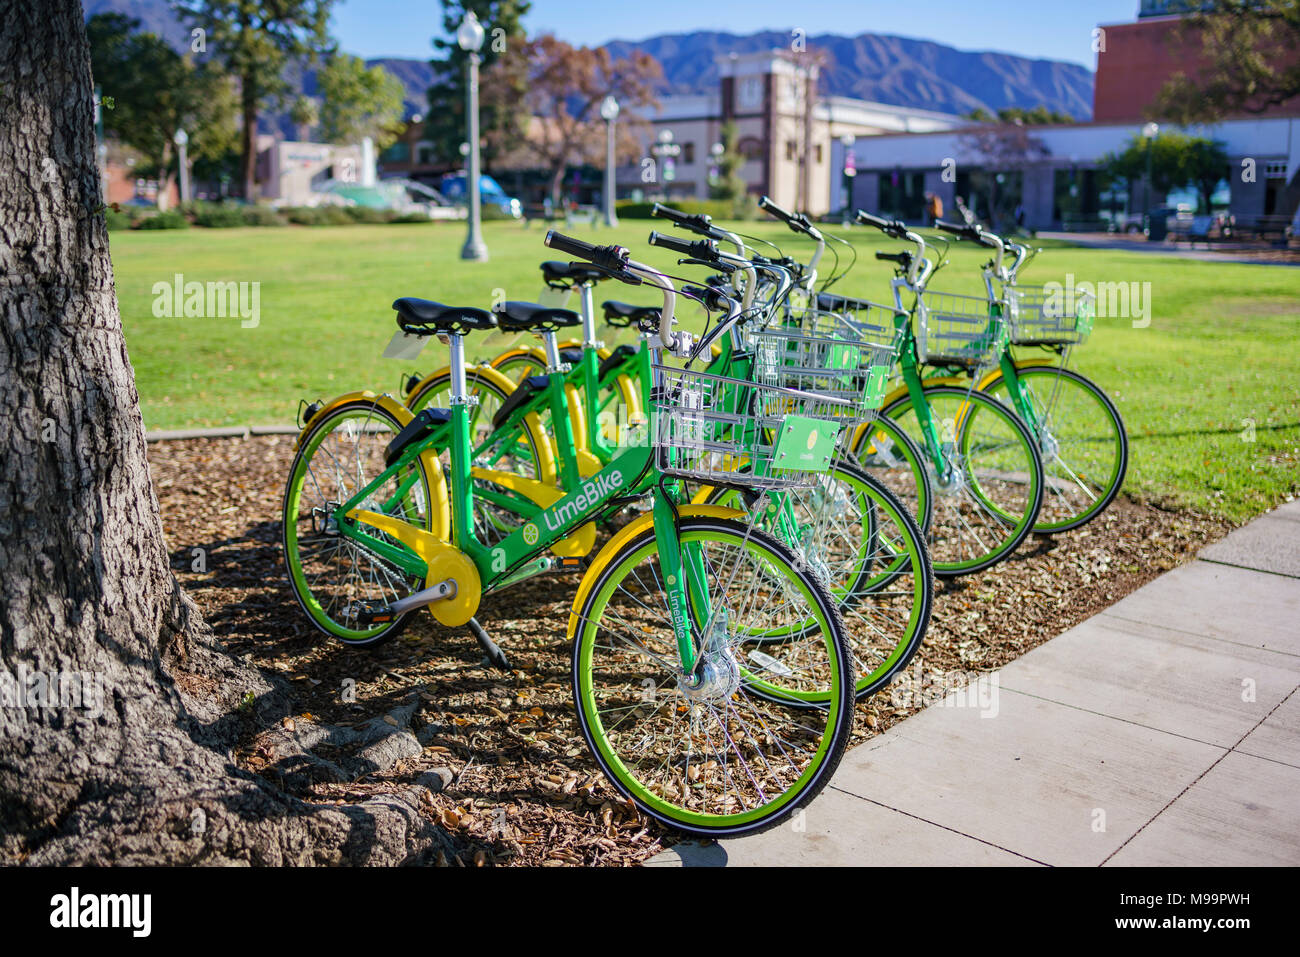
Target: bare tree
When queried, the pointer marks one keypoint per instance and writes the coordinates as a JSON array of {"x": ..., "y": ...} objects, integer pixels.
[
  {"x": 565, "y": 86},
  {"x": 87, "y": 590},
  {"x": 1002, "y": 148}
]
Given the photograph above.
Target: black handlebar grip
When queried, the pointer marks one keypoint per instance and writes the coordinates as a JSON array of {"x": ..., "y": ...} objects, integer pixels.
[
  {"x": 957, "y": 229},
  {"x": 567, "y": 244},
  {"x": 611, "y": 258},
  {"x": 765, "y": 203},
  {"x": 704, "y": 249},
  {"x": 667, "y": 212},
  {"x": 891, "y": 257},
  {"x": 866, "y": 219}
]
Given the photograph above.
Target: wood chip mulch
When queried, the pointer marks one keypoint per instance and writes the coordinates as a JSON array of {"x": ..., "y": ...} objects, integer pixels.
[{"x": 521, "y": 789}]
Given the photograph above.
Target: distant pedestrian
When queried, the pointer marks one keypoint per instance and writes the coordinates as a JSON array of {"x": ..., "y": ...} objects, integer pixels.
[
  {"x": 1020, "y": 215},
  {"x": 934, "y": 208}
]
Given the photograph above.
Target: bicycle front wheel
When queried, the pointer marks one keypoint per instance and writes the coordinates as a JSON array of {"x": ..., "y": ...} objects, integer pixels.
[
  {"x": 1081, "y": 439},
  {"x": 988, "y": 486},
  {"x": 760, "y": 727}
]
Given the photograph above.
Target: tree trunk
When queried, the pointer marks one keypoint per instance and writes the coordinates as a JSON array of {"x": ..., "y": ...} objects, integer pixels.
[
  {"x": 248, "y": 139},
  {"x": 86, "y": 591},
  {"x": 557, "y": 189}
]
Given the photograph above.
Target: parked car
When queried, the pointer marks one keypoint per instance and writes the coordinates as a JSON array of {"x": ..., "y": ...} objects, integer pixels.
[
  {"x": 454, "y": 187},
  {"x": 402, "y": 195}
]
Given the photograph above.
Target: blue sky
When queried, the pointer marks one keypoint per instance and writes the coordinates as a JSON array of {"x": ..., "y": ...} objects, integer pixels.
[{"x": 1052, "y": 29}]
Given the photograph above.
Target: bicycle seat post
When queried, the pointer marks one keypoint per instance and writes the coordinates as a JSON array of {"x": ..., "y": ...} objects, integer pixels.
[
  {"x": 589, "y": 340},
  {"x": 456, "y": 348}
]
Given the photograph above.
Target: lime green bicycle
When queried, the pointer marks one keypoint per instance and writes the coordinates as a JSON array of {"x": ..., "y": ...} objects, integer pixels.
[
  {"x": 1078, "y": 430},
  {"x": 844, "y": 525},
  {"x": 712, "y": 678}
]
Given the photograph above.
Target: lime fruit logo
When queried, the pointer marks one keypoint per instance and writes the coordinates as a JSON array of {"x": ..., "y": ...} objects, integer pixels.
[
  {"x": 530, "y": 533},
  {"x": 812, "y": 439}
]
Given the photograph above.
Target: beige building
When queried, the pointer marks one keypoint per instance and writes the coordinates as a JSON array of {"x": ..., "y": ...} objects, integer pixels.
[
  {"x": 795, "y": 142},
  {"x": 291, "y": 173}
]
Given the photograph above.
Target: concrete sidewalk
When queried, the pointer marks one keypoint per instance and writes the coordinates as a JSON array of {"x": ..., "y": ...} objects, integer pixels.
[{"x": 1162, "y": 731}]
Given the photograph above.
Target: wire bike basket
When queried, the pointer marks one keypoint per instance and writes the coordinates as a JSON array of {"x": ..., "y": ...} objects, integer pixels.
[
  {"x": 828, "y": 355},
  {"x": 953, "y": 329},
  {"x": 1039, "y": 317},
  {"x": 725, "y": 431}
]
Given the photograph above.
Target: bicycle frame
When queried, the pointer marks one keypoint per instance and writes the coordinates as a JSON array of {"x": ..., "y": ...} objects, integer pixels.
[{"x": 519, "y": 554}]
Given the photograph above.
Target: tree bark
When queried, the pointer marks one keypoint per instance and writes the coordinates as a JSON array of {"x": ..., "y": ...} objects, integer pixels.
[{"x": 85, "y": 582}]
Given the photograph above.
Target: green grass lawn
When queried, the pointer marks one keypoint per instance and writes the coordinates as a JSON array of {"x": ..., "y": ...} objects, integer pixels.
[{"x": 1210, "y": 390}]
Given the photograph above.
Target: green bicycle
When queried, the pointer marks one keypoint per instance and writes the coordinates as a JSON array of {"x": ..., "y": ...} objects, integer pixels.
[
  {"x": 1078, "y": 430},
  {"x": 712, "y": 677}
]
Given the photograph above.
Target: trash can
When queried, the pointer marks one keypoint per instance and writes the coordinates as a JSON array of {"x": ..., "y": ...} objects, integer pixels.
[{"x": 1158, "y": 227}]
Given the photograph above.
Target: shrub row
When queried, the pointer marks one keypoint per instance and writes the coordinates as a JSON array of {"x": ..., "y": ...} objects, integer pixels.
[
  {"x": 747, "y": 208},
  {"x": 225, "y": 216}
]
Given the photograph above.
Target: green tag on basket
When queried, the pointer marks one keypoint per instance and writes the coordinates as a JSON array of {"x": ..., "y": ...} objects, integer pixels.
[
  {"x": 1084, "y": 314},
  {"x": 877, "y": 381},
  {"x": 843, "y": 357},
  {"x": 804, "y": 444}
]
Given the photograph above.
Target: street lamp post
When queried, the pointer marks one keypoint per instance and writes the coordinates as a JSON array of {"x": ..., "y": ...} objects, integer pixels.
[
  {"x": 1149, "y": 131},
  {"x": 182, "y": 140},
  {"x": 469, "y": 37},
  {"x": 850, "y": 171},
  {"x": 609, "y": 113}
]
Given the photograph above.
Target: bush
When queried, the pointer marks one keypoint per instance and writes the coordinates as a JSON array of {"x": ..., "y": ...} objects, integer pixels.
[
  {"x": 412, "y": 217},
  {"x": 115, "y": 220},
  {"x": 218, "y": 217},
  {"x": 319, "y": 216},
  {"x": 490, "y": 212},
  {"x": 262, "y": 216},
  {"x": 172, "y": 219},
  {"x": 368, "y": 214},
  {"x": 717, "y": 208}
]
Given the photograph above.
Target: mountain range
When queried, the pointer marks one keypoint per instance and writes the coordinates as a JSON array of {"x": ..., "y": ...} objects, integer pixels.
[{"x": 896, "y": 70}]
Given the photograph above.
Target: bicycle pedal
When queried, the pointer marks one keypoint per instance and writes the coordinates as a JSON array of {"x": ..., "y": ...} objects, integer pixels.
[
  {"x": 367, "y": 614},
  {"x": 570, "y": 564}
]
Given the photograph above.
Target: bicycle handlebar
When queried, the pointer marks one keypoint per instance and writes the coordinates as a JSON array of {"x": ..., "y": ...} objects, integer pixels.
[
  {"x": 611, "y": 258},
  {"x": 699, "y": 223},
  {"x": 969, "y": 231},
  {"x": 703, "y": 249},
  {"x": 894, "y": 228}
]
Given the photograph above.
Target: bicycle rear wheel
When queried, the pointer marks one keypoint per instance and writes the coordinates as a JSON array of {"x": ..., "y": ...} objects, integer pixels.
[
  {"x": 987, "y": 498},
  {"x": 1081, "y": 439},
  {"x": 330, "y": 574},
  {"x": 866, "y": 548},
  {"x": 759, "y": 731}
]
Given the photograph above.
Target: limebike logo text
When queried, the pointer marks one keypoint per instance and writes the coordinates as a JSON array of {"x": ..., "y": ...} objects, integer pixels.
[
  {"x": 212, "y": 300},
  {"x": 1114, "y": 300},
  {"x": 593, "y": 490}
]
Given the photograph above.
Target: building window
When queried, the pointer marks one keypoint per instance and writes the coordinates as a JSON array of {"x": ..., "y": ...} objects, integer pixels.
[
  {"x": 817, "y": 154},
  {"x": 791, "y": 150},
  {"x": 751, "y": 147},
  {"x": 751, "y": 92},
  {"x": 425, "y": 154},
  {"x": 688, "y": 154},
  {"x": 399, "y": 152}
]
